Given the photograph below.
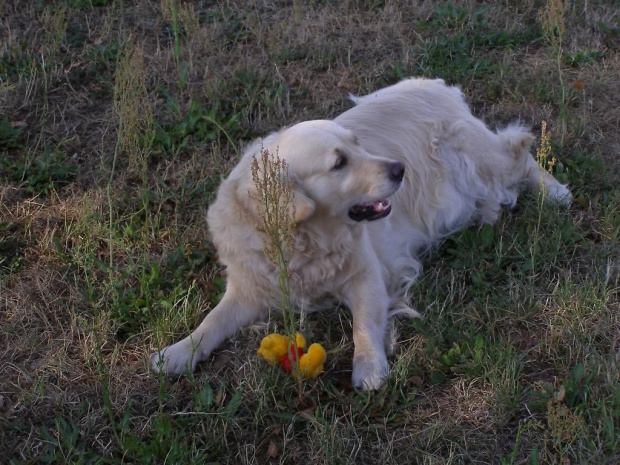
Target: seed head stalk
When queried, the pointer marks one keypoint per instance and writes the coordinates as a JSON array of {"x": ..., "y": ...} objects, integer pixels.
[{"x": 274, "y": 200}]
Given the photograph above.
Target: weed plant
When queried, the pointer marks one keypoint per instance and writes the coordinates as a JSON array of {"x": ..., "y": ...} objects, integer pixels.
[
  {"x": 554, "y": 29},
  {"x": 275, "y": 204},
  {"x": 118, "y": 121}
]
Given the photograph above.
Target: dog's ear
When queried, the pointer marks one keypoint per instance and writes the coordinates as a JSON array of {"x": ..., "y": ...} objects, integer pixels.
[{"x": 303, "y": 206}]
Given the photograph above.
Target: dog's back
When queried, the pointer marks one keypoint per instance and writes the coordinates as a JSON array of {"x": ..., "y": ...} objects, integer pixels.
[{"x": 457, "y": 170}]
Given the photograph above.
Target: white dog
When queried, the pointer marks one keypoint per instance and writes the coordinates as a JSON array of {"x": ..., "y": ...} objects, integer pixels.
[{"x": 415, "y": 143}]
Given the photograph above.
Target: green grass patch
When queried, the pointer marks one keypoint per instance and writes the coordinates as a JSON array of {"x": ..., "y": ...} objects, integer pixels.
[
  {"x": 184, "y": 127},
  {"x": 467, "y": 47},
  {"x": 39, "y": 175},
  {"x": 516, "y": 360}
]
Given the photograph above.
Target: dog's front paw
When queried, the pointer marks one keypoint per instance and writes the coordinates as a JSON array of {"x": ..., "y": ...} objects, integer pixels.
[
  {"x": 176, "y": 359},
  {"x": 370, "y": 370}
]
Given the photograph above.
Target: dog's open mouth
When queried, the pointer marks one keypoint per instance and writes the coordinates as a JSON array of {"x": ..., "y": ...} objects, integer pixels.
[{"x": 370, "y": 211}]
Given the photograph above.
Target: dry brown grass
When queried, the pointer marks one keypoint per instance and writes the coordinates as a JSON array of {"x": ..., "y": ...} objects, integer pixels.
[{"x": 74, "y": 331}]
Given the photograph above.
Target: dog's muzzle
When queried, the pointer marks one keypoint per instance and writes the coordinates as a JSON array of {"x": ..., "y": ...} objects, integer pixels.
[
  {"x": 370, "y": 211},
  {"x": 378, "y": 209}
]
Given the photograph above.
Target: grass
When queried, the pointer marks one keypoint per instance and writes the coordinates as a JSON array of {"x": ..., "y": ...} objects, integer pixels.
[{"x": 107, "y": 165}]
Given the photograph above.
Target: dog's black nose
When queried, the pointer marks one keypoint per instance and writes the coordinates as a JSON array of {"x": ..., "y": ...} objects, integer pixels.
[{"x": 397, "y": 171}]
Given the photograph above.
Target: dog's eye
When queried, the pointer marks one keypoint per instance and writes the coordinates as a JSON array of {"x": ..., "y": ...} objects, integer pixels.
[{"x": 341, "y": 162}]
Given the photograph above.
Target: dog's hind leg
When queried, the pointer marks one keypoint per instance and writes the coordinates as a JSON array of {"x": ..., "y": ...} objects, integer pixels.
[
  {"x": 223, "y": 321},
  {"x": 518, "y": 140},
  {"x": 542, "y": 181}
]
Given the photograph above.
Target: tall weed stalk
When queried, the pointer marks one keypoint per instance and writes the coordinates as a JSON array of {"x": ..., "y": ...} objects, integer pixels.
[
  {"x": 552, "y": 17},
  {"x": 276, "y": 211},
  {"x": 546, "y": 161},
  {"x": 135, "y": 123},
  {"x": 183, "y": 21},
  {"x": 54, "y": 22}
]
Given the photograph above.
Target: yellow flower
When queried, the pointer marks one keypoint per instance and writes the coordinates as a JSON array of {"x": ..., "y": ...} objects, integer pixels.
[
  {"x": 274, "y": 347},
  {"x": 300, "y": 340},
  {"x": 311, "y": 363}
]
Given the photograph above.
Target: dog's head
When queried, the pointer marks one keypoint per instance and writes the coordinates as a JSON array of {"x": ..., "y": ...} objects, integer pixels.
[{"x": 332, "y": 174}]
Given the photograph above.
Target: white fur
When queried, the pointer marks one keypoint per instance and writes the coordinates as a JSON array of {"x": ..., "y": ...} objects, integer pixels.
[{"x": 456, "y": 172}]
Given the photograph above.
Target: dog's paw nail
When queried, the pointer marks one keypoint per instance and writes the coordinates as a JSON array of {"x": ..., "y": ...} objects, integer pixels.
[
  {"x": 560, "y": 194},
  {"x": 370, "y": 374},
  {"x": 174, "y": 360},
  {"x": 156, "y": 362}
]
